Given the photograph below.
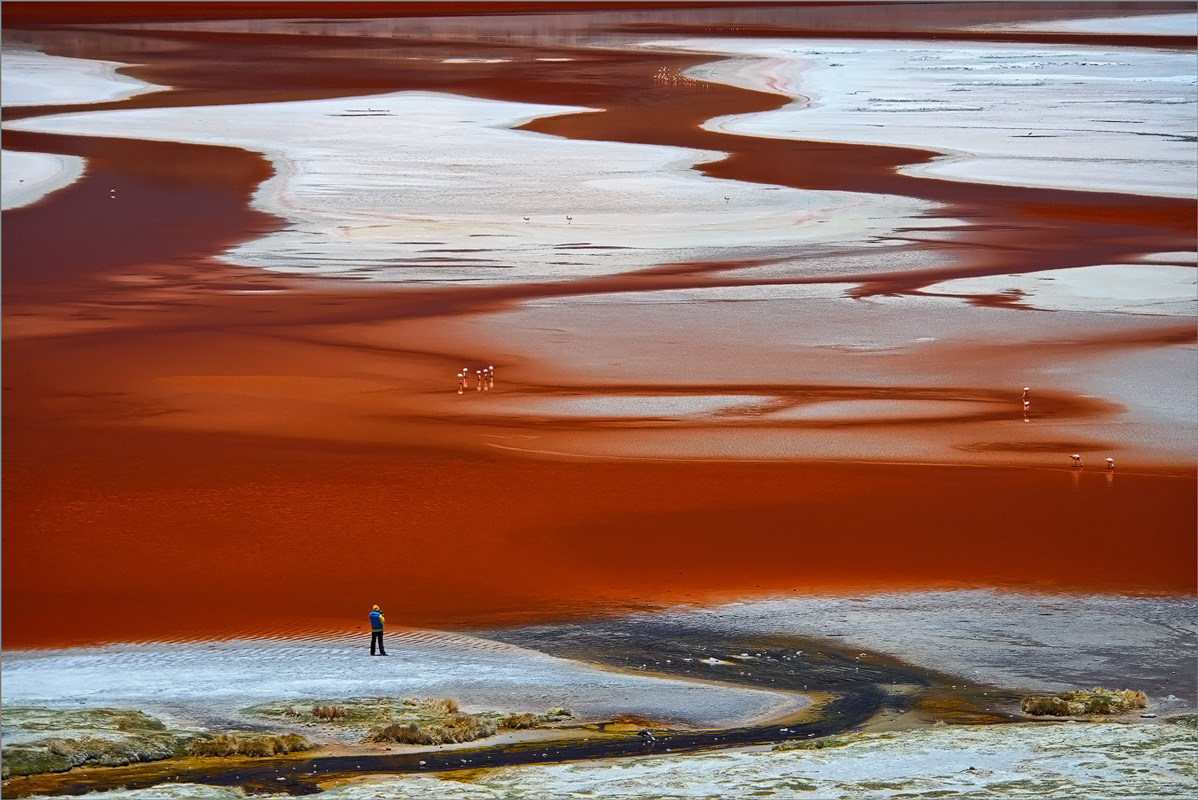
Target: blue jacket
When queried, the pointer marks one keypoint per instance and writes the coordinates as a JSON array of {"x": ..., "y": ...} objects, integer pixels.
[{"x": 376, "y": 620}]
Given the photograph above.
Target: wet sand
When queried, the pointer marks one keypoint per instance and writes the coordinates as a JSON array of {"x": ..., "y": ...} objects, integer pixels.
[{"x": 215, "y": 450}]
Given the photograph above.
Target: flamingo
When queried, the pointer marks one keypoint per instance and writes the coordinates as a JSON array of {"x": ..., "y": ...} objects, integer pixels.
[
  {"x": 1077, "y": 459},
  {"x": 569, "y": 219},
  {"x": 1026, "y": 389},
  {"x": 1110, "y": 463}
]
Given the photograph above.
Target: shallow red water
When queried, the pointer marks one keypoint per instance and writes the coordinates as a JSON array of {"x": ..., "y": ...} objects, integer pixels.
[
  {"x": 115, "y": 530},
  {"x": 121, "y": 537}
]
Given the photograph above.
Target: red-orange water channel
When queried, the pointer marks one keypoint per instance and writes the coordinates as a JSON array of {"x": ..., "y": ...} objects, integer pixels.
[{"x": 114, "y": 530}]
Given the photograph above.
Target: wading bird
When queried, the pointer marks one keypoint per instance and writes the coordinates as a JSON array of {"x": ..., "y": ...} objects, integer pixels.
[{"x": 1077, "y": 459}]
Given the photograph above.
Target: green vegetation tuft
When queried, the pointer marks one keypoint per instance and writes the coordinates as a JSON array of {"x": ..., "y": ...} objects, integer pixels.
[
  {"x": 38, "y": 718},
  {"x": 1082, "y": 702}
]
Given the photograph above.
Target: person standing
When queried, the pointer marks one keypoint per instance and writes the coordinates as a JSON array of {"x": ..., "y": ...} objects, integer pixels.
[{"x": 376, "y": 630}]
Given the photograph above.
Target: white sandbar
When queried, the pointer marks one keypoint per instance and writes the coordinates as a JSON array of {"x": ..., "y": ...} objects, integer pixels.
[
  {"x": 29, "y": 78},
  {"x": 632, "y": 406},
  {"x": 478, "y": 673},
  {"x": 882, "y": 410},
  {"x": 26, "y": 178},
  {"x": 1149, "y": 24},
  {"x": 1111, "y": 288},
  {"x": 1093, "y": 118},
  {"x": 435, "y": 187}
]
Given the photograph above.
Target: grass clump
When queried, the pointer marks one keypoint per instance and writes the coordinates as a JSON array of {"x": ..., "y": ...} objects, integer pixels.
[
  {"x": 428, "y": 721},
  {"x": 518, "y": 722},
  {"x": 352, "y": 712},
  {"x": 1083, "y": 702},
  {"x": 443, "y": 706},
  {"x": 254, "y": 745},
  {"x": 327, "y": 713},
  {"x": 454, "y": 729}
]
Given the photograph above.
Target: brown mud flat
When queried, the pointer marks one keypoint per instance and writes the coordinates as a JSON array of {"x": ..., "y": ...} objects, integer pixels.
[{"x": 306, "y": 497}]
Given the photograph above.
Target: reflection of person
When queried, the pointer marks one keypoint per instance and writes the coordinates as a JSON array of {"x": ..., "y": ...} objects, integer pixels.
[{"x": 376, "y": 631}]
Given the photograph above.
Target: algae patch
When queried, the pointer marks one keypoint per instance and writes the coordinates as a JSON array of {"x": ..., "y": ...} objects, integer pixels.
[
  {"x": 403, "y": 721},
  {"x": 38, "y": 740},
  {"x": 1084, "y": 702}
]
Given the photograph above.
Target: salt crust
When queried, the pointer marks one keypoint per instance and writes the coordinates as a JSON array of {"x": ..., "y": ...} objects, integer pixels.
[
  {"x": 26, "y": 178},
  {"x": 481, "y": 674},
  {"x": 31, "y": 78},
  {"x": 1028, "y": 641},
  {"x": 1053, "y": 116},
  {"x": 434, "y": 187},
  {"x": 1065, "y": 760},
  {"x": 1156, "y": 290},
  {"x": 1151, "y": 24}
]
